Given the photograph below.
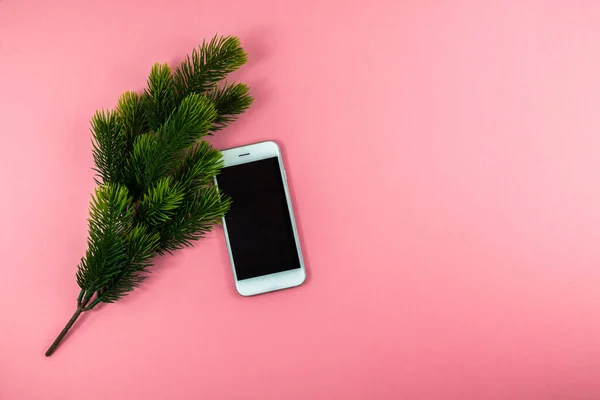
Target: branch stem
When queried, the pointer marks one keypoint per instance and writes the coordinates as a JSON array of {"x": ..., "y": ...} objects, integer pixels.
[
  {"x": 61, "y": 335},
  {"x": 93, "y": 304}
]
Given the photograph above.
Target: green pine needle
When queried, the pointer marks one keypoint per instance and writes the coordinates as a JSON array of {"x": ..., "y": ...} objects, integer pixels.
[
  {"x": 109, "y": 146},
  {"x": 160, "y": 202},
  {"x": 129, "y": 112},
  {"x": 230, "y": 101},
  {"x": 189, "y": 122},
  {"x": 159, "y": 98},
  {"x": 156, "y": 190},
  {"x": 201, "y": 212},
  {"x": 209, "y": 64},
  {"x": 111, "y": 215},
  {"x": 198, "y": 167}
]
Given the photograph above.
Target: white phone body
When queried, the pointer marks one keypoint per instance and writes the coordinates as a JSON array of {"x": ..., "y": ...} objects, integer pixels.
[{"x": 274, "y": 281}]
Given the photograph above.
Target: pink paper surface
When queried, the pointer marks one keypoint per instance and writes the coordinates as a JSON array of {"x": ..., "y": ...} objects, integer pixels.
[{"x": 443, "y": 158}]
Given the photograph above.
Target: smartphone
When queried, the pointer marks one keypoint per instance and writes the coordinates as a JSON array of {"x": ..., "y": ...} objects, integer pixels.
[{"x": 260, "y": 229}]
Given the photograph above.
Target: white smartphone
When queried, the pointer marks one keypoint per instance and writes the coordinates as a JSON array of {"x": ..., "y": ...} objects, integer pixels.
[{"x": 260, "y": 230}]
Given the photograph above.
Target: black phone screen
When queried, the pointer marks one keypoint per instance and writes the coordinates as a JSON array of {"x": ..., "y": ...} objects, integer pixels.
[{"x": 258, "y": 224}]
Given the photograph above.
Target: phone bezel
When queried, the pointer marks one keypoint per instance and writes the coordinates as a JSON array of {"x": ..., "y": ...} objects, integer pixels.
[{"x": 280, "y": 280}]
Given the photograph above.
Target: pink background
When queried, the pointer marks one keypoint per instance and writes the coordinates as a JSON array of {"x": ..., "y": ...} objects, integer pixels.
[{"x": 443, "y": 158}]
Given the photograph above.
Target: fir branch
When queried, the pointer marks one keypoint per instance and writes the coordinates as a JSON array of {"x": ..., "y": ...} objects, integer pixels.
[
  {"x": 109, "y": 147},
  {"x": 200, "y": 213},
  {"x": 154, "y": 155},
  {"x": 141, "y": 246},
  {"x": 130, "y": 113},
  {"x": 230, "y": 101},
  {"x": 156, "y": 192},
  {"x": 208, "y": 64},
  {"x": 198, "y": 168},
  {"x": 160, "y": 203},
  {"x": 189, "y": 122},
  {"x": 159, "y": 99},
  {"x": 147, "y": 163},
  {"x": 111, "y": 217}
]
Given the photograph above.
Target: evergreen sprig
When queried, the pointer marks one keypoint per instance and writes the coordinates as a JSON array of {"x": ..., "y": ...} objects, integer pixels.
[{"x": 155, "y": 191}]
